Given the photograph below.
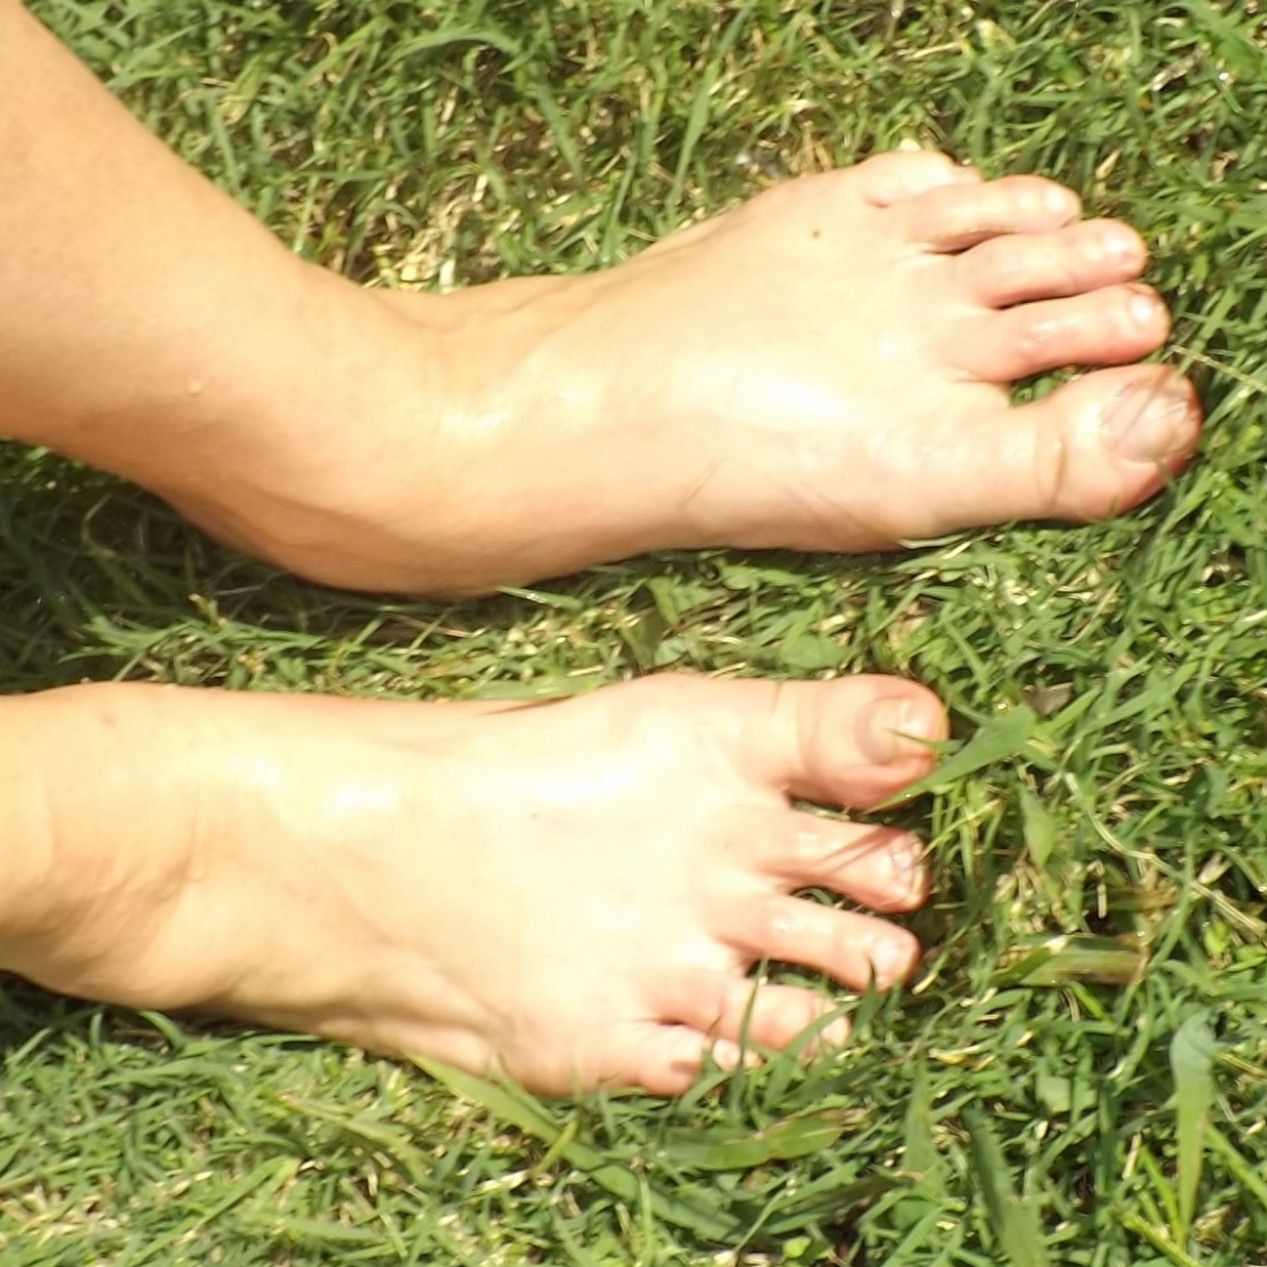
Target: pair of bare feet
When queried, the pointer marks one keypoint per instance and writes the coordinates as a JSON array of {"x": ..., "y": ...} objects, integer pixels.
[{"x": 573, "y": 893}]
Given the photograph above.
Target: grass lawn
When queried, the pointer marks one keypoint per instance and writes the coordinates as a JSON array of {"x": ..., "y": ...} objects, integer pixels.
[{"x": 1080, "y": 1074}]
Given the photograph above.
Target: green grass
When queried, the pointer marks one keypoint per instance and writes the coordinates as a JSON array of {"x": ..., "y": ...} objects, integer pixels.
[{"x": 1033, "y": 1100}]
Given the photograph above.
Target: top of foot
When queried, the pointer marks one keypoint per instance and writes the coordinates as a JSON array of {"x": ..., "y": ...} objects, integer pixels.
[
  {"x": 569, "y": 894},
  {"x": 826, "y": 367}
]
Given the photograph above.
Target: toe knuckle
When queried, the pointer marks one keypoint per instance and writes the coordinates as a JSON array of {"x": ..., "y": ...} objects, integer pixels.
[
  {"x": 803, "y": 848},
  {"x": 933, "y": 161},
  {"x": 841, "y": 942},
  {"x": 1035, "y": 337},
  {"x": 1070, "y": 278},
  {"x": 1050, "y": 466},
  {"x": 990, "y": 270},
  {"x": 776, "y": 927}
]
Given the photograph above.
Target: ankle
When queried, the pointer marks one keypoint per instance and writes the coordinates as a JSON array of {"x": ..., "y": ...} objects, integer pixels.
[
  {"x": 98, "y": 793},
  {"x": 339, "y": 442}
]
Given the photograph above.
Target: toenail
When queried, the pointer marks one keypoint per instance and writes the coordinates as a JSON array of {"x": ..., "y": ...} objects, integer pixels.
[
  {"x": 1119, "y": 246},
  {"x": 835, "y": 1034},
  {"x": 888, "y": 728},
  {"x": 904, "y": 859},
  {"x": 889, "y": 962},
  {"x": 1147, "y": 423},
  {"x": 1059, "y": 201},
  {"x": 1143, "y": 310}
]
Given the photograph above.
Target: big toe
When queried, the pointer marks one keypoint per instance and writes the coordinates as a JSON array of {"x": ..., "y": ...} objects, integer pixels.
[
  {"x": 1122, "y": 435},
  {"x": 854, "y": 742},
  {"x": 1096, "y": 446}
]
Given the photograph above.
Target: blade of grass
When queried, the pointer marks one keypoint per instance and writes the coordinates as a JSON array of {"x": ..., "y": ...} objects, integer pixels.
[
  {"x": 697, "y": 117},
  {"x": 1013, "y": 1220},
  {"x": 786, "y": 1140},
  {"x": 1252, "y": 1182},
  {"x": 1157, "y": 1239},
  {"x": 516, "y": 1108},
  {"x": 1069, "y": 957},
  {"x": 1192, "y": 1052},
  {"x": 1001, "y": 737}
]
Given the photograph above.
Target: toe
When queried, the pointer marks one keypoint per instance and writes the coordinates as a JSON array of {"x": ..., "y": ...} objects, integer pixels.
[
  {"x": 1114, "y": 438},
  {"x": 878, "y": 867},
  {"x": 1094, "y": 447},
  {"x": 1025, "y": 266},
  {"x": 666, "y": 1059},
  {"x": 854, "y": 742},
  {"x": 959, "y": 216},
  {"x": 741, "y": 1011},
  {"x": 859, "y": 951},
  {"x": 886, "y": 179},
  {"x": 1110, "y": 326}
]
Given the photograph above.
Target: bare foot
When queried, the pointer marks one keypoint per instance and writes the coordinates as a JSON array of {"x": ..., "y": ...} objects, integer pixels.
[
  {"x": 569, "y": 893},
  {"x": 824, "y": 368}
]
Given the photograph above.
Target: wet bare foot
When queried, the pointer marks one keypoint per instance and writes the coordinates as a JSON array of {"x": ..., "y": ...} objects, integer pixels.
[
  {"x": 570, "y": 893},
  {"x": 825, "y": 368}
]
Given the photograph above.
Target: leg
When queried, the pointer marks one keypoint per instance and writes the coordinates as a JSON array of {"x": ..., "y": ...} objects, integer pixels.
[
  {"x": 825, "y": 368},
  {"x": 568, "y": 893}
]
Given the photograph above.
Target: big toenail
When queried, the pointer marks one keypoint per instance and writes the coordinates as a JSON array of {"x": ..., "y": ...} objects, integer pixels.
[
  {"x": 888, "y": 728},
  {"x": 906, "y": 878},
  {"x": 905, "y": 863},
  {"x": 1147, "y": 423}
]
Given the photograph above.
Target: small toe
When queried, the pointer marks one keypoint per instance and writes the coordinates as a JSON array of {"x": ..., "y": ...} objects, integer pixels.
[
  {"x": 959, "y": 216},
  {"x": 665, "y": 1059},
  {"x": 741, "y": 1011},
  {"x": 1110, "y": 326},
  {"x": 854, "y": 742},
  {"x": 886, "y": 179},
  {"x": 859, "y": 951},
  {"x": 1026, "y": 266},
  {"x": 879, "y": 867}
]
